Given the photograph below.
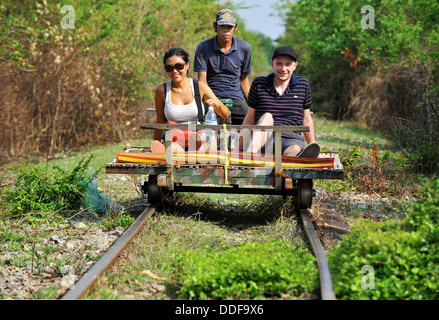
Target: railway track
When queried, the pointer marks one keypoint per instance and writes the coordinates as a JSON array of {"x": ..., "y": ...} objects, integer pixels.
[
  {"x": 327, "y": 292},
  {"x": 277, "y": 175},
  {"x": 91, "y": 276}
]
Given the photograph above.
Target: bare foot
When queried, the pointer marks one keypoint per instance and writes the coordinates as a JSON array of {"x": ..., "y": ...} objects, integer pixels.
[{"x": 157, "y": 147}]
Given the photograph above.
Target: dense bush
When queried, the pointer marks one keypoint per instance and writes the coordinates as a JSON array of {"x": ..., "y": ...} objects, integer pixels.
[
  {"x": 337, "y": 43},
  {"x": 39, "y": 190},
  {"x": 416, "y": 132},
  {"x": 249, "y": 271},
  {"x": 402, "y": 257},
  {"x": 382, "y": 72},
  {"x": 64, "y": 88}
]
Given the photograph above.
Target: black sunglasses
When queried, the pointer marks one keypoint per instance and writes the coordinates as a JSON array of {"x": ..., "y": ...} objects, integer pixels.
[{"x": 178, "y": 66}]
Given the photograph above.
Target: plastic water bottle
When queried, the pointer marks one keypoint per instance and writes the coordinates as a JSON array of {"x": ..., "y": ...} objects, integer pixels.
[{"x": 210, "y": 119}]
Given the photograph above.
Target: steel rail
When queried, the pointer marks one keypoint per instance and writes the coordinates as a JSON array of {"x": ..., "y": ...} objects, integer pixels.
[
  {"x": 327, "y": 292},
  {"x": 90, "y": 277}
]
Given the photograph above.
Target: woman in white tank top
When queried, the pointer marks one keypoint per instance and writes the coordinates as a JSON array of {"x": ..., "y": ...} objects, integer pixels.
[
  {"x": 174, "y": 100},
  {"x": 181, "y": 114}
]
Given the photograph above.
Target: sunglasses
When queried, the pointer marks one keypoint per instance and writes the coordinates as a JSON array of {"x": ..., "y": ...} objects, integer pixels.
[{"x": 178, "y": 66}]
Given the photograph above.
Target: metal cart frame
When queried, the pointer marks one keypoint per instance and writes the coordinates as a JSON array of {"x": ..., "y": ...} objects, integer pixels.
[{"x": 227, "y": 178}]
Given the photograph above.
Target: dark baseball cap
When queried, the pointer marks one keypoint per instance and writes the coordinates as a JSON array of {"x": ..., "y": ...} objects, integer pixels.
[
  {"x": 288, "y": 51},
  {"x": 226, "y": 17}
]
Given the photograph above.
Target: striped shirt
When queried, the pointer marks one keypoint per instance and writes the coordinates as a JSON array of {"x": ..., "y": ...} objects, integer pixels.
[{"x": 287, "y": 109}]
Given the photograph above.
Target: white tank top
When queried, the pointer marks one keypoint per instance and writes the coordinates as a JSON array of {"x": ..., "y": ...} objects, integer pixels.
[{"x": 186, "y": 113}]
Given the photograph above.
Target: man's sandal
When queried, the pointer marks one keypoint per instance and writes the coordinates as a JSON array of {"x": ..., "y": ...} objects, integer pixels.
[{"x": 310, "y": 151}]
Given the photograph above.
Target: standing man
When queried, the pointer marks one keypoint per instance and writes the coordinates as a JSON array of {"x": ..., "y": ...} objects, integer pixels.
[
  {"x": 282, "y": 99},
  {"x": 224, "y": 63}
]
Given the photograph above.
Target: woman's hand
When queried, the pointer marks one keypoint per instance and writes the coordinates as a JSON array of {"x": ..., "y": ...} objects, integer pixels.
[
  {"x": 215, "y": 103},
  {"x": 211, "y": 99},
  {"x": 219, "y": 107}
]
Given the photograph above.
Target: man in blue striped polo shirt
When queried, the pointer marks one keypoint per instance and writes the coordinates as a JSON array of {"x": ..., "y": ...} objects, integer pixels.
[
  {"x": 281, "y": 99},
  {"x": 224, "y": 63}
]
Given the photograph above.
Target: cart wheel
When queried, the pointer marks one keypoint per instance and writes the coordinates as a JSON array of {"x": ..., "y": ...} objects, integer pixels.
[
  {"x": 155, "y": 193},
  {"x": 304, "y": 193}
]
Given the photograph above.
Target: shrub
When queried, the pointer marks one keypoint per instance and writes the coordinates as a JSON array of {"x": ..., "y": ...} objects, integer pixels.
[
  {"x": 62, "y": 89},
  {"x": 404, "y": 256},
  {"x": 424, "y": 213},
  {"x": 249, "y": 271},
  {"x": 42, "y": 190},
  {"x": 377, "y": 171},
  {"x": 118, "y": 219},
  {"x": 416, "y": 132},
  {"x": 384, "y": 76}
]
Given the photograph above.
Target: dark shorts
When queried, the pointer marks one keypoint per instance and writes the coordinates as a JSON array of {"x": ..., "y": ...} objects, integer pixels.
[
  {"x": 292, "y": 138},
  {"x": 288, "y": 139}
]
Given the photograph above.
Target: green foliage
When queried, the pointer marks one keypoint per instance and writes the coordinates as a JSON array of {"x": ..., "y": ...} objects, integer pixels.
[
  {"x": 326, "y": 31},
  {"x": 94, "y": 82},
  {"x": 424, "y": 213},
  {"x": 127, "y": 40},
  {"x": 262, "y": 50},
  {"x": 344, "y": 59},
  {"x": 417, "y": 134},
  {"x": 119, "y": 219},
  {"x": 245, "y": 272},
  {"x": 340, "y": 56},
  {"x": 43, "y": 190},
  {"x": 404, "y": 256},
  {"x": 14, "y": 238},
  {"x": 18, "y": 31}
]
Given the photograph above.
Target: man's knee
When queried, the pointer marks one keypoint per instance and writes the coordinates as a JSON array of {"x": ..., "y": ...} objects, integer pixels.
[
  {"x": 266, "y": 119},
  {"x": 292, "y": 150}
]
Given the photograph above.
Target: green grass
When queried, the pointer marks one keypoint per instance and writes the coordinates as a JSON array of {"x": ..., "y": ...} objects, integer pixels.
[
  {"x": 372, "y": 163},
  {"x": 201, "y": 225},
  {"x": 342, "y": 135},
  {"x": 103, "y": 154}
]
